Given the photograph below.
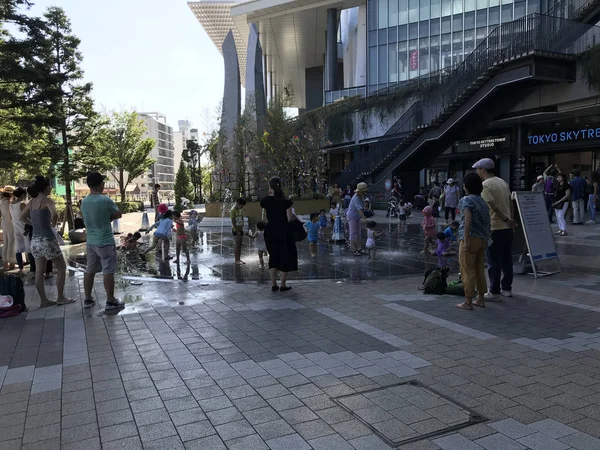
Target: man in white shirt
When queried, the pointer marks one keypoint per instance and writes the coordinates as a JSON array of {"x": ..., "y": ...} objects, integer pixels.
[{"x": 497, "y": 195}]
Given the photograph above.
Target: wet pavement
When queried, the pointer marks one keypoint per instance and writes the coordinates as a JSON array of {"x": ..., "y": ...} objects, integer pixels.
[{"x": 353, "y": 357}]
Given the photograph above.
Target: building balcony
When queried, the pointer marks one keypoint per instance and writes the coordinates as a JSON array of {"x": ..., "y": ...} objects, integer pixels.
[{"x": 333, "y": 96}]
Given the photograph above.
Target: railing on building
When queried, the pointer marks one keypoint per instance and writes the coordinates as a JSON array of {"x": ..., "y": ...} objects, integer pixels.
[
  {"x": 529, "y": 35},
  {"x": 339, "y": 94}
]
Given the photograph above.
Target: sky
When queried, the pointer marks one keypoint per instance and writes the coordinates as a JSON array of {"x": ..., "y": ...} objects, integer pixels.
[{"x": 147, "y": 55}]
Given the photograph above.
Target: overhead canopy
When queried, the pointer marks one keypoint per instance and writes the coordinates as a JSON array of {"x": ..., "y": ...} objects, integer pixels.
[{"x": 291, "y": 33}]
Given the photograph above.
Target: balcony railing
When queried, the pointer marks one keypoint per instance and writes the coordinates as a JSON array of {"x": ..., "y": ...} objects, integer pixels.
[{"x": 334, "y": 96}]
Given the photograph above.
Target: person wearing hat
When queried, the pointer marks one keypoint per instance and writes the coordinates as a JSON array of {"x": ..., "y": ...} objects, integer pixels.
[
  {"x": 538, "y": 186},
  {"x": 98, "y": 213},
  {"x": 9, "y": 256},
  {"x": 451, "y": 199},
  {"x": 497, "y": 195},
  {"x": 355, "y": 214}
]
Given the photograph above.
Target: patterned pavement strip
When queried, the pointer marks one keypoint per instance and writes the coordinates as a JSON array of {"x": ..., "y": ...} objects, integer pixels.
[{"x": 233, "y": 366}]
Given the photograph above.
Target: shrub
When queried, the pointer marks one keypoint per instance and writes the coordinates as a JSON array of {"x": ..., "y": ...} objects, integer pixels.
[
  {"x": 130, "y": 207},
  {"x": 318, "y": 196}
]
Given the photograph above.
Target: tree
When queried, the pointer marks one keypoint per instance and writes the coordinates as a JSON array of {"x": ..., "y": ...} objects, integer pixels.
[
  {"x": 70, "y": 104},
  {"x": 121, "y": 149},
  {"x": 192, "y": 155},
  {"x": 183, "y": 187}
]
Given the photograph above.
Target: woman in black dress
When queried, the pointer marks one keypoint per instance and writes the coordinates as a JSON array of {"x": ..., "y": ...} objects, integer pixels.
[{"x": 281, "y": 245}]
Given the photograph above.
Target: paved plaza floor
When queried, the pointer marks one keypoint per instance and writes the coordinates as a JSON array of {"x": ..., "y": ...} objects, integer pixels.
[{"x": 353, "y": 357}]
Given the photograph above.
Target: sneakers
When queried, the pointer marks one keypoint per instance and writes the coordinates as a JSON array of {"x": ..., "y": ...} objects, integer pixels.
[
  {"x": 507, "y": 293},
  {"x": 590, "y": 222},
  {"x": 89, "y": 302},
  {"x": 114, "y": 304},
  {"x": 489, "y": 296},
  {"x": 494, "y": 297}
]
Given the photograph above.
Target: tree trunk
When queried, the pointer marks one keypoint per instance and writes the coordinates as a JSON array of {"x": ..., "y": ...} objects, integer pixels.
[
  {"x": 67, "y": 180},
  {"x": 122, "y": 186}
]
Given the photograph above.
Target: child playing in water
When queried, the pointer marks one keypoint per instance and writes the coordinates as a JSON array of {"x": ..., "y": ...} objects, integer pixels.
[
  {"x": 181, "y": 243},
  {"x": 193, "y": 226},
  {"x": 371, "y": 236},
  {"x": 312, "y": 228},
  {"x": 450, "y": 233},
  {"x": 131, "y": 243},
  {"x": 323, "y": 223},
  {"x": 259, "y": 239},
  {"x": 164, "y": 228},
  {"x": 402, "y": 215},
  {"x": 443, "y": 246},
  {"x": 429, "y": 229}
]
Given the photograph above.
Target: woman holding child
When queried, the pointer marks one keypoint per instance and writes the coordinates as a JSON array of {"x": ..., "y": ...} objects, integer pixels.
[{"x": 281, "y": 246}]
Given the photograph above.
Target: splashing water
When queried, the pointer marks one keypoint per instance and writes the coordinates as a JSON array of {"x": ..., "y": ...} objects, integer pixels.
[{"x": 225, "y": 208}]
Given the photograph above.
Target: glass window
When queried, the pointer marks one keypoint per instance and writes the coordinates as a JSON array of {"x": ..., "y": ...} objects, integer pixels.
[
  {"x": 393, "y": 62},
  {"x": 435, "y": 53},
  {"x": 372, "y": 38},
  {"x": 413, "y": 58},
  {"x": 392, "y": 34},
  {"x": 372, "y": 13},
  {"x": 457, "y": 22},
  {"x": 423, "y": 56},
  {"x": 434, "y": 26},
  {"x": 494, "y": 16},
  {"x": 470, "y": 20},
  {"x": 413, "y": 10},
  {"x": 506, "y": 2},
  {"x": 424, "y": 9},
  {"x": 446, "y": 7},
  {"x": 507, "y": 12},
  {"x": 446, "y": 24},
  {"x": 446, "y": 51},
  {"x": 413, "y": 30},
  {"x": 382, "y": 36},
  {"x": 373, "y": 65},
  {"x": 424, "y": 29},
  {"x": 482, "y": 4},
  {"x": 469, "y": 5},
  {"x": 533, "y": 7},
  {"x": 494, "y": 2},
  {"x": 481, "y": 18},
  {"x": 457, "y": 48},
  {"x": 393, "y": 10},
  {"x": 402, "y": 32},
  {"x": 436, "y": 8},
  {"x": 402, "y": 12},
  {"x": 469, "y": 42},
  {"x": 402, "y": 61},
  {"x": 382, "y": 64},
  {"x": 481, "y": 34},
  {"x": 458, "y": 6},
  {"x": 520, "y": 9},
  {"x": 382, "y": 11}
]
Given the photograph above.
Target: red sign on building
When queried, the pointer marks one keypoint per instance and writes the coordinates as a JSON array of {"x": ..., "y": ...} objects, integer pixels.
[{"x": 414, "y": 59}]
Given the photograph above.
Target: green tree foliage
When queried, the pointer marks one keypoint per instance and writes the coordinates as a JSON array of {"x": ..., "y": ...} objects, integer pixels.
[
  {"x": 192, "y": 155},
  {"x": 183, "y": 187},
  {"x": 120, "y": 148}
]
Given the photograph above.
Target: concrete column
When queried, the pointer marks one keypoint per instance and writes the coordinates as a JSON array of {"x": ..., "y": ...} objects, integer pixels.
[{"x": 331, "y": 55}]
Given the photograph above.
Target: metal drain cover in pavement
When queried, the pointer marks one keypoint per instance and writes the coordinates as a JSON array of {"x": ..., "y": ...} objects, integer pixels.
[{"x": 407, "y": 412}]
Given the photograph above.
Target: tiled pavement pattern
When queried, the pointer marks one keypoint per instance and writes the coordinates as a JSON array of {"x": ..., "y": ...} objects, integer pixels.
[{"x": 193, "y": 366}]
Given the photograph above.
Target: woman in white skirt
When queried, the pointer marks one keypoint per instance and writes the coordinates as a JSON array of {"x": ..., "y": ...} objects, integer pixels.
[
  {"x": 21, "y": 241},
  {"x": 8, "y": 236}
]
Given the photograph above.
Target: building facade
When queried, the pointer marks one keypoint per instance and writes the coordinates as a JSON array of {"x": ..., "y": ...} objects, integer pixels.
[{"x": 163, "y": 170}]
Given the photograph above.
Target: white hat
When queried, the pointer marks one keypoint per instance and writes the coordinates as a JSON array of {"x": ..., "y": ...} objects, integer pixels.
[
  {"x": 450, "y": 180},
  {"x": 485, "y": 163},
  {"x": 362, "y": 186},
  {"x": 540, "y": 177}
]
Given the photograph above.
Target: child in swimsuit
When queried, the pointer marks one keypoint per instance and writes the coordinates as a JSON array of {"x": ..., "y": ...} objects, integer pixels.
[{"x": 181, "y": 243}]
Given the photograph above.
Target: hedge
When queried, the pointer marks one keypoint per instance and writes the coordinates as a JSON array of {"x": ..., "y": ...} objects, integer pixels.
[{"x": 130, "y": 207}]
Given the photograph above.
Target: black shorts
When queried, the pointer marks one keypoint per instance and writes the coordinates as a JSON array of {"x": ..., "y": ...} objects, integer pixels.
[
  {"x": 402, "y": 217},
  {"x": 237, "y": 233}
]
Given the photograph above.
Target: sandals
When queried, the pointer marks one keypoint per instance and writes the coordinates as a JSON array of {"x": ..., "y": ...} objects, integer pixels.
[
  {"x": 274, "y": 288},
  {"x": 66, "y": 301},
  {"x": 285, "y": 288},
  {"x": 477, "y": 303},
  {"x": 46, "y": 305},
  {"x": 465, "y": 306}
]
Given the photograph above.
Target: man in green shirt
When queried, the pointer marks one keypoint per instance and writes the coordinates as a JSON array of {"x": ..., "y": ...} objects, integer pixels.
[
  {"x": 98, "y": 213},
  {"x": 237, "y": 227}
]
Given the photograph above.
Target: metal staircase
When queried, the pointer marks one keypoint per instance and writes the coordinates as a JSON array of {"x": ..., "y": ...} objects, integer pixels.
[{"x": 505, "y": 58}]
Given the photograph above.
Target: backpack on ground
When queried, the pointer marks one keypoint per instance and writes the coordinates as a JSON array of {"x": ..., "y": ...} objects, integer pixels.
[
  {"x": 13, "y": 286},
  {"x": 435, "y": 281},
  {"x": 455, "y": 288}
]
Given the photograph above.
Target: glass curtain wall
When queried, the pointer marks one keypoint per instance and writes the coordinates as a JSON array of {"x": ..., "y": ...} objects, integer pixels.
[{"x": 410, "y": 38}]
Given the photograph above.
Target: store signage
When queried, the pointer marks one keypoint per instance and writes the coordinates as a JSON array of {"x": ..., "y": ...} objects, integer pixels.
[
  {"x": 414, "y": 59},
  {"x": 488, "y": 142},
  {"x": 564, "y": 136}
]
